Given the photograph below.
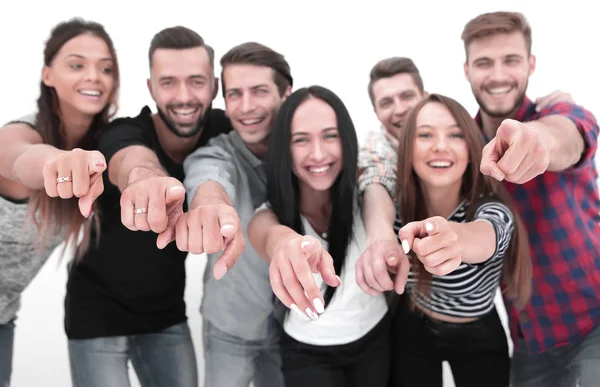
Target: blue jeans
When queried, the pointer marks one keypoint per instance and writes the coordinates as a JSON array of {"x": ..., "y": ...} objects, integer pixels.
[
  {"x": 234, "y": 362},
  {"x": 7, "y": 333},
  {"x": 561, "y": 367},
  {"x": 162, "y": 359}
]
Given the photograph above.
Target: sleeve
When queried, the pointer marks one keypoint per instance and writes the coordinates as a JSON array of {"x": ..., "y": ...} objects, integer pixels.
[
  {"x": 120, "y": 134},
  {"x": 29, "y": 119},
  {"x": 210, "y": 163},
  {"x": 586, "y": 124},
  {"x": 501, "y": 218},
  {"x": 378, "y": 161}
]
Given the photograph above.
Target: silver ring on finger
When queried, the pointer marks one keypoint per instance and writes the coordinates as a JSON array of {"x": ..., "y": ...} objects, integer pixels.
[
  {"x": 65, "y": 179},
  {"x": 141, "y": 210}
]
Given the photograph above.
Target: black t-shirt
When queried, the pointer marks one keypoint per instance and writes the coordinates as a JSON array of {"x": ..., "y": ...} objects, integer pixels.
[{"x": 127, "y": 285}]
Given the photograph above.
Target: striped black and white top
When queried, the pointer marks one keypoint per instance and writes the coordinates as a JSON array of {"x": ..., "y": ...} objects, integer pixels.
[{"x": 470, "y": 289}]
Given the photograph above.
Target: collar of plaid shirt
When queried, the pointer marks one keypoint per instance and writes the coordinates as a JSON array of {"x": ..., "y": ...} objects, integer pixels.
[{"x": 561, "y": 211}]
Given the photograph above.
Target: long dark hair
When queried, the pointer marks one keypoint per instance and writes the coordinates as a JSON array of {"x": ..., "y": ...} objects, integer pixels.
[
  {"x": 51, "y": 214},
  {"x": 517, "y": 270},
  {"x": 282, "y": 184}
]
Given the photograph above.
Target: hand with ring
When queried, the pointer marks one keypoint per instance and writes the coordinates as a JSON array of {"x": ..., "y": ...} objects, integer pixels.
[
  {"x": 76, "y": 173},
  {"x": 152, "y": 204}
]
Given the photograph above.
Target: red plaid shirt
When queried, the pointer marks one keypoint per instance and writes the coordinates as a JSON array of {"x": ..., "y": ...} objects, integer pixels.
[{"x": 561, "y": 211}]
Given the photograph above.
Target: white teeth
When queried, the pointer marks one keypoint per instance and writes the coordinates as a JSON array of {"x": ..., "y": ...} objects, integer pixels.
[
  {"x": 319, "y": 169},
  {"x": 184, "y": 112},
  {"x": 91, "y": 93},
  {"x": 251, "y": 122},
  {"x": 499, "y": 90},
  {"x": 439, "y": 164}
]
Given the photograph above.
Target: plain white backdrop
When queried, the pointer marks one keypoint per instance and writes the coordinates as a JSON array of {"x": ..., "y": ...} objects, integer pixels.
[{"x": 332, "y": 43}]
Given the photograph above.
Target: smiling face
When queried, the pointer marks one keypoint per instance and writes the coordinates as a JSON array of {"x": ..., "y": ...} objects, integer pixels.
[
  {"x": 316, "y": 147},
  {"x": 252, "y": 101},
  {"x": 440, "y": 153},
  {"x": 393, "y": 98},
  {"x": 498, "y": 68},
  {"x": 81, "y": 73},
  {"x": 183, "y": 87}
]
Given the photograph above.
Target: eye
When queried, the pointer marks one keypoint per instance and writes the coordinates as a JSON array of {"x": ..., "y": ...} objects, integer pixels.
[{"x": 76, "y": 66}]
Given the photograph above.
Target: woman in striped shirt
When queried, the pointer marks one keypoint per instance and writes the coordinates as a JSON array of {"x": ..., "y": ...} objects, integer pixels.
[{"x": 461, "y": 234}]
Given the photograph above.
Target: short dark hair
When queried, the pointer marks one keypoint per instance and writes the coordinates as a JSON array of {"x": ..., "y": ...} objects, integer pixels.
[
  {"x": 390, "y": 67},
  {"x": 282, "y": 184},
  {"x": 179, "y": 38},
  {"x": 252, "y": 53}
]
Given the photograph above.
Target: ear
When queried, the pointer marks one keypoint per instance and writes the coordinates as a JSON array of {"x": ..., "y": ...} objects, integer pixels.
[
  {"x": 47, "y": 76},
  {"x": 466, "y": 70},
  {"x": 149, "y": 84},
  {"x": 531, "y": 64},
  {"x": 215, "y": 88},
  {"x": 425, "y": 94},
  {"x": 287, "y": 92}
]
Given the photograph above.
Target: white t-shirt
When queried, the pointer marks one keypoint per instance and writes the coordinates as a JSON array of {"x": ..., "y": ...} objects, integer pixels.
[{"x": 351, "y": 313}]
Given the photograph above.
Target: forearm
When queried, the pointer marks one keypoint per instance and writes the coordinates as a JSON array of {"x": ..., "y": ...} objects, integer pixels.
[
  {"x": 275, "y": 236},
  {"x": 210, "y": 192},
  {"x": 29, "y": 165},
  {"x": 130, "y": 165},
  {"x": 378, "y": 213},
  {"x": 477, "y": 240},
  {"x": 563, "y": 140}
]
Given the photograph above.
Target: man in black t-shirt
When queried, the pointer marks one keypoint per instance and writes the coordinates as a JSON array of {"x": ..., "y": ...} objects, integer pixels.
[{"x": 125, "y": 298}]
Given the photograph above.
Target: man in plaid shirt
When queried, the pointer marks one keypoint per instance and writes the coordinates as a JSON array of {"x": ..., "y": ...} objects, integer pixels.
[{"x": 546, "y": 156}]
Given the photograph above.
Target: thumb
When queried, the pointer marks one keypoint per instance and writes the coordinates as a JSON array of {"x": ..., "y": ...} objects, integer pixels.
[
  {"x": 174, "y": 194},
  {"x": 86, "y": 201},
  {"x": 508, "y": 130}
]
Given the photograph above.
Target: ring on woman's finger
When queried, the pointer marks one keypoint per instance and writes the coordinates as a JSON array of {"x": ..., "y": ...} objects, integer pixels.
[{"x": 65, "y": 179}]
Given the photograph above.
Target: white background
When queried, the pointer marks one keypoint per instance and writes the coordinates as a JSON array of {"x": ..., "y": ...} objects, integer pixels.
[{"x": 334, "y": 44}]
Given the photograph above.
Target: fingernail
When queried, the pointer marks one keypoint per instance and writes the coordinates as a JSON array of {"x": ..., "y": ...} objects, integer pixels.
[
  {"x": 428, "y": 226},
  {"x": 318, "y": 305},
  {"x": 339, "y": 279},
  {"x": 392, "y": 260},
  {"x": 176, "y": 188},
  {"x": 99, "y": 164},
  {"x": 310, "y": 313},
  {"x": 304, "y": 244},
  {"x": 405, "y": 246},
  {"x": 295, "y": 308},
  {"x": 227, "y": 227},
  {"x": 220, "y": 271}
]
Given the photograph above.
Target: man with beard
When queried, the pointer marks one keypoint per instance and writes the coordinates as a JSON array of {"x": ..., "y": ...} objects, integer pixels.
[
  {"x": 547, "y": 159},
  {"x": 125, "y": 298},
  {"x": 240, "y": 339}
]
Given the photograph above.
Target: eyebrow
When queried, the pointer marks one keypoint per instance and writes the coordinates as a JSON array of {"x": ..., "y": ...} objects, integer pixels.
[
  {"x": 83, "y": 57},
  {"x": 426, "y": 126},
  {"x": 227, "y": 90},
  {"x": 322, "y": 131},
  {"x": 169, "y": 77}
]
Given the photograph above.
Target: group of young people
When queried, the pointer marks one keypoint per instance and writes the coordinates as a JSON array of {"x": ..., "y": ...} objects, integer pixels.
[{"x": 329, "y": 264}]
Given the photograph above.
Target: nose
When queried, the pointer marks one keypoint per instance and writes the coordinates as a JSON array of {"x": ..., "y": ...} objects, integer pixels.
[
  {"x": 440, "y": 143},
  {"x": 183, "y": 94},
  {"x": 247, "y": 103},
  {"x": 498, "y": 74},
  {"x": 400, "y": 108},
  {"x": 91, "y": 74},
  {"x": 317, "y": 151}
]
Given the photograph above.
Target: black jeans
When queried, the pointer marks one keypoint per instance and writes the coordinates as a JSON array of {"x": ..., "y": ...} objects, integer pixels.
[
  {"x": 364, "y": 362},
  {"x": 476, "y": 351}
]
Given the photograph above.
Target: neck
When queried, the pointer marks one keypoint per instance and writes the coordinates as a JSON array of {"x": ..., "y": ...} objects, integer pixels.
[
  {"x": 442, "y": 201},
  {"x": 260, "y": 149},
  {"x": 313, "y": 202},
  {"x": 177, "y": 148},
  {"x": 75, "y": 126}
]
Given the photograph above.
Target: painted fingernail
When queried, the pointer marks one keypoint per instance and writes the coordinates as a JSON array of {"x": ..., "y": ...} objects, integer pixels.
[
  {"x": 428, "y": 226},
  {"x": 405, "y": 246},
  {"x": 176, "y": 188},
  {"x": 227, "y": 227},
  {"x": 310, "y": 313},
  {"x": 392, "y": 260},
  {"x": 304, "y": 244},
  {"x": 319, "y": 305},
  {"x": 99, "y": 164}
]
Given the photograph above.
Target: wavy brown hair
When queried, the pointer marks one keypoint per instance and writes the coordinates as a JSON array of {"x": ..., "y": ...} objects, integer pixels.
[
  {"x": 517, "y": 270},
  {"x": 53, "y": 215}
]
